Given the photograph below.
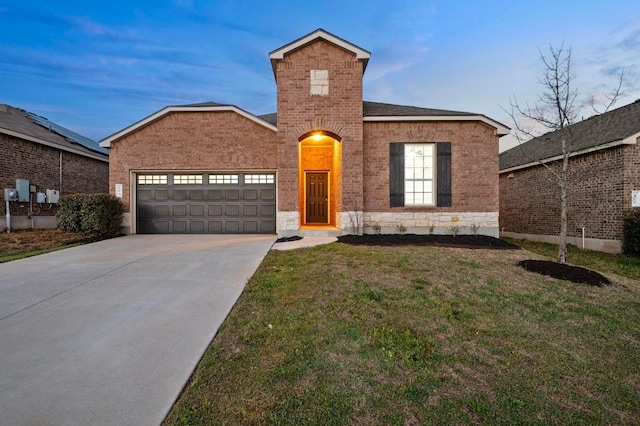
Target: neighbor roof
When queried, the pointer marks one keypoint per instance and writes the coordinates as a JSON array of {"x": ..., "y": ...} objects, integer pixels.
[
  {"x": 620, "y": 126},
  {"x": 26, "y": 125},
  {"x": 278, "y": 54}
]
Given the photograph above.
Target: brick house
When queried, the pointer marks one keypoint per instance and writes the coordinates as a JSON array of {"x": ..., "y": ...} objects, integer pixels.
[
  {"x": 604, "y": 176},
  {"x": 325, "y": 163},
  {"x": 49, "y": 157}
]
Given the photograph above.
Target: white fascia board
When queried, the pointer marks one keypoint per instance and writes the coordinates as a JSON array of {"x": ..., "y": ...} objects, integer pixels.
[
  {"x": 360, "y": 53},
  {"x": 106, "y": 143},
  {"x": 501, "y": 130},
  {"x": 54, "y": 145},
  {"x": 631, "y": 140}
]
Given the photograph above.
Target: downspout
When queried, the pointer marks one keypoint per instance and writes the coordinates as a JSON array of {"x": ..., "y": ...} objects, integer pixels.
[
  {"x": 60, "y": 190},
  {"x": 8, "y": 216},
  {"x": 583, "y": 238}
]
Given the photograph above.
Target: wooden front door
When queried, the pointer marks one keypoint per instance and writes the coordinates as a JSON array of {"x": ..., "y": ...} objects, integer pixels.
[{"x": 317, "y": 196}]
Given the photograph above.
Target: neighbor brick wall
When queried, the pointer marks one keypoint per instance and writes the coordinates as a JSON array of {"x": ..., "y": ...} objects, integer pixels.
[
  {"x": 40, "y": 164},
  {"x": 299, "y": 112},
  {"x": 474, "y": 163},
  {"x": 598, "y": 194},
  {"x": 198, "y": 141}
]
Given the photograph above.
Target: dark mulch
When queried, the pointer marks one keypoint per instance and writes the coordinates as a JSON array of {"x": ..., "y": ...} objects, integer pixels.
[
  {"x": 461, "y": 241},
  {"x": 575, "y": 274},
  {"x": 287, "y": 239}
]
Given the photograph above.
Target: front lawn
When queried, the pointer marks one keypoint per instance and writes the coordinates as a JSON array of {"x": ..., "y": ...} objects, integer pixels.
[{"x": 342, "y": 334}]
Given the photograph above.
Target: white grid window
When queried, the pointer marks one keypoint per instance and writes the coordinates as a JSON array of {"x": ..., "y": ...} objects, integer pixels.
[
  {"x": 152, "y": 179},
  {"x": 259, "y": 178},
  {"x": 187, "y": 179},
  {"x": 223, "y": 179},
  {"x": 418, "y": 173}
]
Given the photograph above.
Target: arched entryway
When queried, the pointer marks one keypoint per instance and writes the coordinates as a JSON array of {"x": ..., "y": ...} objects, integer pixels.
[{"x": 319, "y": 180}]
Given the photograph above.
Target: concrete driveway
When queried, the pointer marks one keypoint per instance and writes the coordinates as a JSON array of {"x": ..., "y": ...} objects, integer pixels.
[{"x": 108, "y": 333}]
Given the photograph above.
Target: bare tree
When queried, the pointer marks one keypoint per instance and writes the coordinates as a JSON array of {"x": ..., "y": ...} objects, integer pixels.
[{"x": 556, "y": 109}]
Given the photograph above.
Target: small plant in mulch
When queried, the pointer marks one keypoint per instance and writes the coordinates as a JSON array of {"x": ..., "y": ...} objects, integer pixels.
[{"x": 575, "y": 274}]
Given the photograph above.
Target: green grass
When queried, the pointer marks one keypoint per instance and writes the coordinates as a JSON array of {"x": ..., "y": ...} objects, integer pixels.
[
  {"x": 8, "y": 257},
  {"x": 340, "y": 334},
  {"x": 618, "y": 264}
]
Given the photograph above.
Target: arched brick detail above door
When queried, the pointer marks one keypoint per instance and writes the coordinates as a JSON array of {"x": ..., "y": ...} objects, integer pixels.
[{"x": 330, "y": 128}]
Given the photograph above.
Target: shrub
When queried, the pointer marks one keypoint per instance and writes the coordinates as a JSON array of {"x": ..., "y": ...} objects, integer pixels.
[
  {"x": 631, "y": 237},
  {"x": 92, "y": 214}
]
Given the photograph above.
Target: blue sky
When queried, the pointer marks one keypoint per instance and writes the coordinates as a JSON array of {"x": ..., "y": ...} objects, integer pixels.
[{"x": 97, "y": 67}]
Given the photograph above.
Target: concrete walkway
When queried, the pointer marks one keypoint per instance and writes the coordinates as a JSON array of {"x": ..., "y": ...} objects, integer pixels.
[{"x": 108, "y": 333}]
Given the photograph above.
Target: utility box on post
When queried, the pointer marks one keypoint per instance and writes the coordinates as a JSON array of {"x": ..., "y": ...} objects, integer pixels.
[
  {"x": 10, "y": 194},
  {"x": 22, "y": 186}
]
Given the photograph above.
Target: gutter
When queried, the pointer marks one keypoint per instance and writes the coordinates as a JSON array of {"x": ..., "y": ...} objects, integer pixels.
[{"x": 627, "y": 141}]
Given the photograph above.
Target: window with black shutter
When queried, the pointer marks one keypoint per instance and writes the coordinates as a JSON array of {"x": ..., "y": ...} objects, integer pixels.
[{"x": 411, "y": 174}]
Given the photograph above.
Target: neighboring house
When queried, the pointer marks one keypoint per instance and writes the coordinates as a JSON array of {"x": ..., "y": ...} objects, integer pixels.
[
  {"x": 326, "y": 163},
  {"x": 49, "y": 157},
  {"x": 604, "y": 175}
]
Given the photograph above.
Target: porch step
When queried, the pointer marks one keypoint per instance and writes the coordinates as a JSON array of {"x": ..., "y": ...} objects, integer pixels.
[{"x": 332, "y": 232}]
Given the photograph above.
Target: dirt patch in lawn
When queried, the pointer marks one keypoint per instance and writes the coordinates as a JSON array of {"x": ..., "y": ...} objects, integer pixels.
[
  {"x": 461, "y": 241},
  {"x": 36, "y": 239},
  {"x": 575, "y": 274}
]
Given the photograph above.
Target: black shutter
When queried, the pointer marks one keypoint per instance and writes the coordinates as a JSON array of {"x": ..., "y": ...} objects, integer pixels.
[
  {"x": 396, "y": 174},
  {"x": 444, "y": 174}
]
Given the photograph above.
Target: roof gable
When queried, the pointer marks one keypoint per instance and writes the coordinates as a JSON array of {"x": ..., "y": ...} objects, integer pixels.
[
  {"x": 620, "y": 126},
  {"x": 278, "y": 54},
  {"x": 201, "y": 107}
]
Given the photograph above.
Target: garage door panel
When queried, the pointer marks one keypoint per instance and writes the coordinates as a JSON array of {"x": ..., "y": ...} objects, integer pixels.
[
  {"x": 232, "y": 210},
  {"x": 218, "y": 203},
  {"x": 161, "y": 195},
  {"x": 215, "y": 194},
  {"x": 144, "y": 194},
  {"x": 196, "y": 227},
  {"x": 196, "y": 210},
  {"x": 250, "y": 194},
  {"x": 232, "y": 226},
  {"x": 160, "y": 211},
  {"x": 267, "y": 210},
  {"x": 180, "y": 226},
  {"x": 232, "y": 194},
  {"x": 268, "y": 194},
  {"x": 179, "y": 210},
  {"x": 196, "y": 194},
  {"x": 250, "y": 210},
  {"x": 215, "y": 210}
]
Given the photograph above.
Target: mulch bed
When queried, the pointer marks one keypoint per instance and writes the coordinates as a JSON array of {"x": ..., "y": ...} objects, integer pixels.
[
  {"x": 460, "y": 241},
  {"x": 575, "y": 274}
]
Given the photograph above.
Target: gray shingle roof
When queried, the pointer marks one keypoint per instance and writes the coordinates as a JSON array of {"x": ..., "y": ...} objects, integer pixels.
[
  {"x": 379, "y": 109},
  {"x": 612, "y": 126},
  {"x": 25, "y": 123}
]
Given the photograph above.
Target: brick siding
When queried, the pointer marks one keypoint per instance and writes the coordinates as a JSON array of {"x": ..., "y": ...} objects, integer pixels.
[
  {"x": 198, "y": 141},
  {"x": 40, "y": 164},
  {"x": 599, "y": 192},
  {"x": 474, "y": 164},
  {"x": 339, "y": 112}
]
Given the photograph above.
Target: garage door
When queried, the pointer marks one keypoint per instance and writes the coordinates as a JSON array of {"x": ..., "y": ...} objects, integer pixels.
[{"x": 206, "y": 203}]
